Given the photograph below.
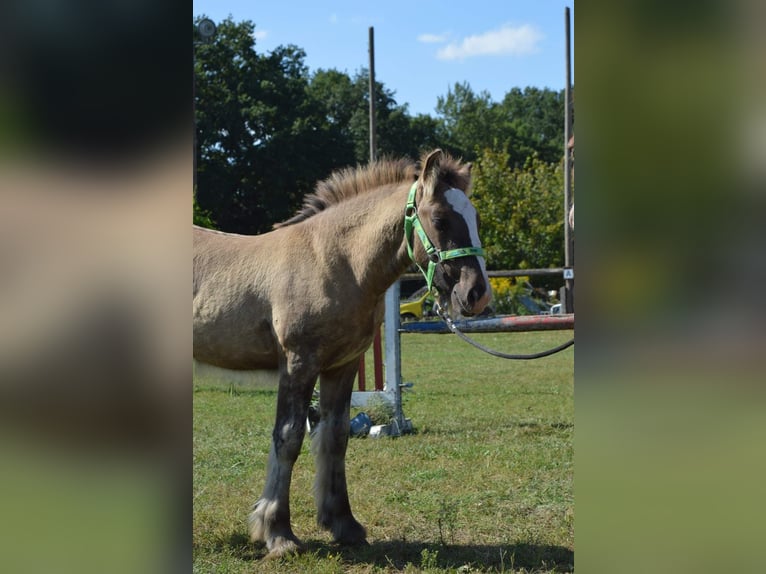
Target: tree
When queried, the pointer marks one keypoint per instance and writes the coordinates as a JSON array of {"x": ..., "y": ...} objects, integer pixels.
[
  {"x": 471, "y": 121},
  {"x": 337, "y": 98},
  {"x": 524, "y": 123},
  {"x": 345, "y": 104},
  {"x": 535, "y": 121},
  {"x": 427, "y": 133},
  {"x": 267, "y": 130},
  {"x": 392, "y": 122},
  {"x": 261, "y": 142},
  {"x": 200, "y": 216},
  {"x": 521, "y": 211}
]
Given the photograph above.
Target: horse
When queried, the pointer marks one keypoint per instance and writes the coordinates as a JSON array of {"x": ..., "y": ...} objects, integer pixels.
[{"x": 307, "y": 297}]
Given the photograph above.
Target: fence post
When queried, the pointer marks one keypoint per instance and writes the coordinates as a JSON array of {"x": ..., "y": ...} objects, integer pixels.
[
  {"x": 393, "y": 353},
  {"x": 567, "y": 298}
]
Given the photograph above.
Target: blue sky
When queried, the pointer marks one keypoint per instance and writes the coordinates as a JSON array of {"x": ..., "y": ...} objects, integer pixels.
[{"x": 422, "y": 47}]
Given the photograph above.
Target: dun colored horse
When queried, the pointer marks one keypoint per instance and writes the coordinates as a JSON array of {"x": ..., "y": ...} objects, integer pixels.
[{"x": 306, "y": 298}]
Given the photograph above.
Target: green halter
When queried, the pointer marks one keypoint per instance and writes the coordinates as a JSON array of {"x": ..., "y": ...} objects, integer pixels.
[{"x": 412, "y": 221}]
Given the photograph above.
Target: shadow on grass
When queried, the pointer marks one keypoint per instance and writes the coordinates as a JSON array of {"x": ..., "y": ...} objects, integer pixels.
[
  {"x": 398, "y": 554},
  {"x": 238, "y": 545}
]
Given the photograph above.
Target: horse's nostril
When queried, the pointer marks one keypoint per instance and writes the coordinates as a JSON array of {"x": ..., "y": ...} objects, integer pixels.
[{"x": 475, "y": 294}]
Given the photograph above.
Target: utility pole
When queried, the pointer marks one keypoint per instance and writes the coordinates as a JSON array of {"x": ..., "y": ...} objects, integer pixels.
[{"x": 373, "y": 147}]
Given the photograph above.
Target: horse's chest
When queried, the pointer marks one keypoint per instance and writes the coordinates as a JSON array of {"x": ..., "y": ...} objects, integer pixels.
[
  {"x": 347, "y": 348},
  {"x": 354, "y": 338},
  {"x": 335, "y": 339}
]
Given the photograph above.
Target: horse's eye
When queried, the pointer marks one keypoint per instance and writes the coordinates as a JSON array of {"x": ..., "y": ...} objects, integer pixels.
[{"x": 440, "y": 224}]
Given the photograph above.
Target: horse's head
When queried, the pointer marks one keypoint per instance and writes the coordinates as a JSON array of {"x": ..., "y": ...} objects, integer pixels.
[{"x": 441, "y": 214}]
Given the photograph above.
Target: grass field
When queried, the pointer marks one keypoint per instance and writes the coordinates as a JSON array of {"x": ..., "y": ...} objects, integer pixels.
[{"x": 484, "y": 485}]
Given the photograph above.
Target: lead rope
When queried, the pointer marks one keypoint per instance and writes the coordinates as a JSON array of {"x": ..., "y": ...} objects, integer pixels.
[{"x": 452, "y": 327}]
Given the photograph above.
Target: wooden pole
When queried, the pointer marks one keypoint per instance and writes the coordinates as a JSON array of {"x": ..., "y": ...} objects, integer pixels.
[
  {"x": 373, "y": 149},
  {"x": 376, "y": 344}
]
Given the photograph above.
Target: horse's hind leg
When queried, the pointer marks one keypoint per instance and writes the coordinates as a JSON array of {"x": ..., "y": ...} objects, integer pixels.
[
  {"x": 329, "y": 447},
  {"x": 270, "y": 519}
]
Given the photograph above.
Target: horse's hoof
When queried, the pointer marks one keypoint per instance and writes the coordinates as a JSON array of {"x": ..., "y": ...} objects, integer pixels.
[
  {"x": 348, "y": 532},
  {"x": 281, "y": 547}
]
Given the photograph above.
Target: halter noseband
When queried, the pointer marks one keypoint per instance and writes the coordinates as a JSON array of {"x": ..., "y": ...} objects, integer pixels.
[{"x": 412, "y": 221}]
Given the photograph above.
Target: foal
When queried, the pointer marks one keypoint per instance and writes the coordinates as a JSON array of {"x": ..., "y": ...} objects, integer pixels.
[{"x": 307, "y": 298}]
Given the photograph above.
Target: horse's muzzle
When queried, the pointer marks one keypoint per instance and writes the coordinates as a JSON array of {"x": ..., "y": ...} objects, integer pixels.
[
  {"x": 465, "y": 289},
  {"x": 472, "y": 293},
  {"x": 472, "y": 300}
]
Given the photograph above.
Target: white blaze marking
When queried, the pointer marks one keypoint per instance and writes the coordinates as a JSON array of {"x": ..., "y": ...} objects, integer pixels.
[{"x": 462, "y": 205}]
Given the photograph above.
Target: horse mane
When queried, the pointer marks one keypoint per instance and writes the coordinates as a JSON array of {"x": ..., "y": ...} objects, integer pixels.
[{"x": 352, "y": 181}]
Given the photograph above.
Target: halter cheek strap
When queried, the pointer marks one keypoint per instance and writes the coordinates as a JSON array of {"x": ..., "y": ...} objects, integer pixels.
[{"x": 412, "y": 222}]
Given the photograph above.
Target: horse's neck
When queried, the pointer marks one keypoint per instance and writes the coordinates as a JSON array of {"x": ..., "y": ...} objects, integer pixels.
[{"x": 373, "y": 240}]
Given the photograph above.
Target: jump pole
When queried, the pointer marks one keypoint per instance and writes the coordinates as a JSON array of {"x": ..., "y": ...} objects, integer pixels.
[{"x": 507, "y": 324}]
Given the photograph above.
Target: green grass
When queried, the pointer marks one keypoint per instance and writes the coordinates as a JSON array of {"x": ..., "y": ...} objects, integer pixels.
[{"x": 484, "y": 485}]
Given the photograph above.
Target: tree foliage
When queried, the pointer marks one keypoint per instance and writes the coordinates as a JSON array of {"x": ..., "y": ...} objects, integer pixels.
[
  {"x": 267, "y": 129},
  {"x": 200, "y": 216},
  {"x": 344, "y": 101},
  {"x": 472, "y": 120},
  {"x": 253, "y": 114},
  {"x": 526, "y": 122},
  {"x": 521, "y": 211},
  {"x": 535, "y": 119}
]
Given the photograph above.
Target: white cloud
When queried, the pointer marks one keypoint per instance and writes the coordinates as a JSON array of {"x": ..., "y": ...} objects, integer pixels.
[
  {"x": 516, "y": 41},
  {"x": 260, "y": 34},
  {"x": 432, "y": 38},
  {"x": 333, "y": 18}
]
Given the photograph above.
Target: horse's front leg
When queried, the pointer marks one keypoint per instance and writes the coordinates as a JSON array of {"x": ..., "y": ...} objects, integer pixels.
[
  {"x": 270, "y": 518},
  {"x": 329, "y": 447}
]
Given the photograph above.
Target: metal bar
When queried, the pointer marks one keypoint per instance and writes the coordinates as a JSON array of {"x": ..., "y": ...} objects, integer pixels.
[
  {"x": 568, "y": 300},
  {"x": 526, "y": 272},
  {"x": 505, "y": 273},
  {"x": 512, "y": 323},
  {"x": 393, "y": 352}
]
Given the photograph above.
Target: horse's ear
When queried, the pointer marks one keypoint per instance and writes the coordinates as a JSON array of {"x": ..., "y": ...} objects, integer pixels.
[
  {"x": 430, "y": 170},
  {"x": 433, "y": 160},
  {"x": 465, "y": 172}
]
